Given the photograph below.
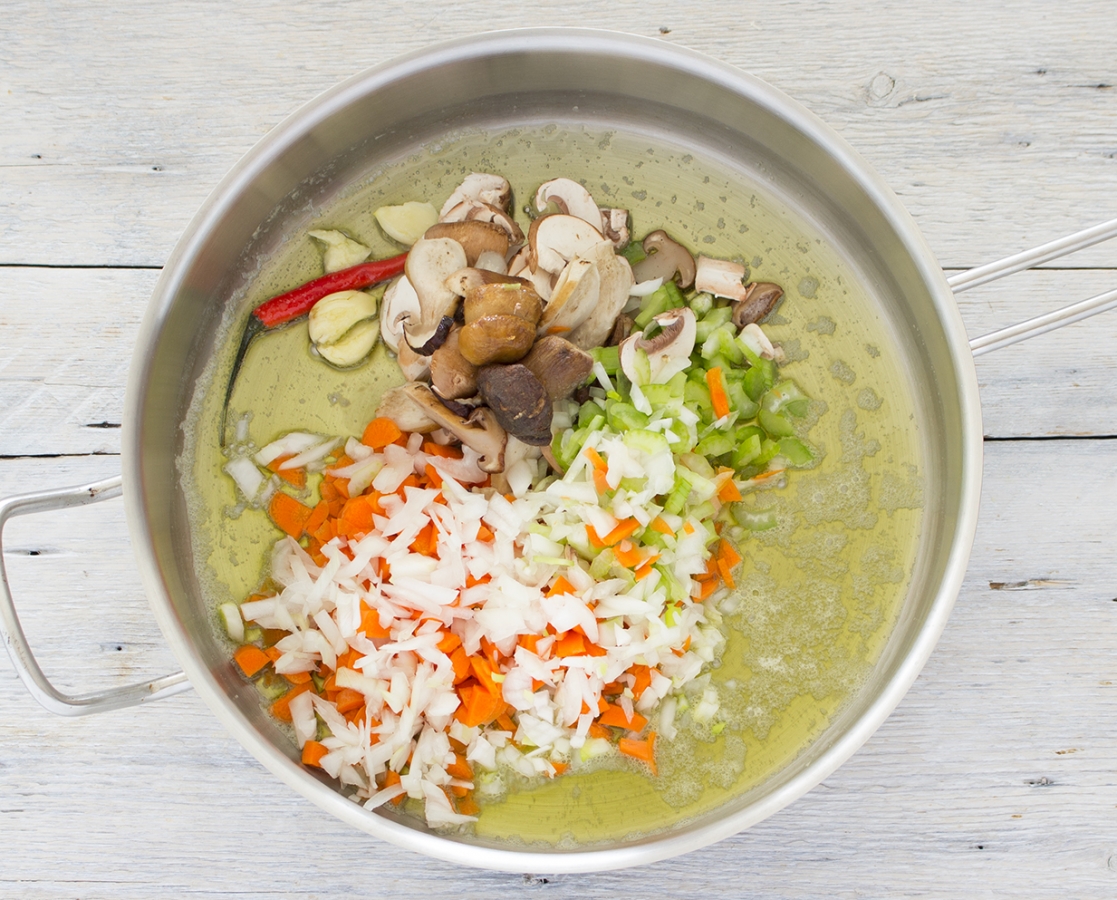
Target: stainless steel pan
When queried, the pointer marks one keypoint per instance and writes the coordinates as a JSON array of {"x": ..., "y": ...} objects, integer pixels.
[{"x": 498, "y": 79}]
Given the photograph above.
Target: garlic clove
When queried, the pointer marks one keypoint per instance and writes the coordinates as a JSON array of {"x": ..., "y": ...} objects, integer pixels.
[
  {"x": 334, "y": 315},
  {"x": 407, "y": 222},
  {"x": 341, "y": 251},
  {"x": 353, "y": 347}
]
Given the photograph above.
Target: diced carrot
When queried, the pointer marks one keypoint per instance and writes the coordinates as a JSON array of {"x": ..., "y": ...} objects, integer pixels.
[
  {"x": 483, "y": 672},
  {"x": 728, "y": 553},
  {"x": 705, "y": 588},
  {"x": 505, "y": 723},
  {"x": 290, "y": 515},
  {"x": 411, "y": 480},
  {"x": 441, "y": 450},
  {"x": 281, "y": 709},
  {"x": 718, "y": 397},
  {"x": 624, "y": 529},
  {"x": 251, "y": 659},
  {"x": 317, "y": 517},
  {"x": 273, "y": 653},
  {"x": 460, "y": 660},
  {"x": 560, "y": 767},
  {"x": 467, "y": 806},
  {"x": 658, "y": 524},
  {"x": 488, "y": 648},
  {"x": 433, "y": 478},
  {"x": 356, "y": 517},
  {"x": 426, "y": 541},
  {"x": 628, "y": 554},
  {"x": 726, "y": 575},
  {"x": 370, "y": 623},
  {"x": 391, "y": 779},
  {"x": 688, "y": 528},
  {"x": 646, "y": 569},
  {"x": 348, "y": 699},
  {"x": 356, "y": 715},
  {"x": 449, "y": 642},
  {"x": 479, "y": 706},
  {"x": 642, "y": 750},
  {"x": 529, "y": 642},
  {"x": 599, "y": 731},
  {"x": 459, "y": 768},
  {"x": 615, "y": 716},
  {"x": 560, "y": 586},
  {"x": 729, "y": 492},
  {"x": 313, "y": 752},
  {"x": 326, "y": 490},
  {"x": 381, "y": 432},
  {"x": 458, "y": 790},
  {"x": 294, "y": 477},
  {"x": 348, "y": 659},
  {"x": 596, "y": 541},
  {"x": 642, "y": 676},
  {"x": 600, "y": 482},
  {"x": 596, "y": 459},
  {"x": 484, "y": 533},
  {"x": 570, "y": 643},
  {"x": 297, "y": 677}
]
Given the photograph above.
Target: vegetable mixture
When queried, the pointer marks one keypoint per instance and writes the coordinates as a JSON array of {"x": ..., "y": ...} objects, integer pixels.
[{"x": 516, "y": 569}]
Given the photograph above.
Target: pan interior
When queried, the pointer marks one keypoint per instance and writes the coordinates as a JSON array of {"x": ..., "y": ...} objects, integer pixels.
[{"x": 834, "y": 602}]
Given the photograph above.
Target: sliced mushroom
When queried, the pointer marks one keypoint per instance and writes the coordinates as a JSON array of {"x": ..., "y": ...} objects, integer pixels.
[
  {"x": 519, "y": 401},
  {"x": 414, "y": 366},
  {"x": 476, "y": 211},
  {"x": 496, "y": 339},
  {"x": 400, "y": 304},
  {"x": 557, "y": 239},
  {"x": 398, "y": 406},
  {"x": 518, "y": 264},
  {"x": 429, "y": 263},
  {"x": 475, "y": 237},
  {"x": 465, "y": 280},
  {"x": 492, "y": 262},
  {"x": 622, "y": 328},
  {"x": 574, "y": 296},
  {"x": 480, "y": 431},
  {"x": 513, "y": 298},
  {"x": 614, "y": 225},
  {"x": 559, "y": 365},
  {"x": 452, "y": 375},
  {"x": 668, "y": 352},
  {"x": 481, "y": 187},
  {"x": 720, "y": 278},
  {"x": 665, "y": 259},
  {"x": 761, "y": 298},
  {"x": 616, "y": 281},
  {"x": 570, "y": 197}
]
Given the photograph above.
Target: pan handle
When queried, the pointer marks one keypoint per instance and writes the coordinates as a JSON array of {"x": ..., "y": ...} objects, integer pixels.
[
  {"x": 11, "y": 632},
  {"x": 1013, "y": 334}
]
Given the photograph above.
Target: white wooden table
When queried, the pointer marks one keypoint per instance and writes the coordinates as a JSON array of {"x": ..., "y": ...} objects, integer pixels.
[{"x": 997, "y": 126}]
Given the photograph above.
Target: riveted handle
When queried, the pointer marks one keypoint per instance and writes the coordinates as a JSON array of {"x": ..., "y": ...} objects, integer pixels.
[{"x": 11, "y": 632}]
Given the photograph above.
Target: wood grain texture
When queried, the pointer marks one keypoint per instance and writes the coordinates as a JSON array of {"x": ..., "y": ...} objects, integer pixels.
[
  {"x": 997, "y": 135},
  {"x": 995, "y": 124}
]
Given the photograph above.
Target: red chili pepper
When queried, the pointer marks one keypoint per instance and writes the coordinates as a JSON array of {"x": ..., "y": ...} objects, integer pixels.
[{"x": 298, "y": 302}]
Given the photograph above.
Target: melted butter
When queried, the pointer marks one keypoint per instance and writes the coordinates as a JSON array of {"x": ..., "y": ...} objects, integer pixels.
[{"x": 818, "y": 595}]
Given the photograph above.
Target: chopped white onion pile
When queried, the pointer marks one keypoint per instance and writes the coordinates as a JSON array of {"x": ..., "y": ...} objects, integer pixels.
[{"x": 495, "y": 590}]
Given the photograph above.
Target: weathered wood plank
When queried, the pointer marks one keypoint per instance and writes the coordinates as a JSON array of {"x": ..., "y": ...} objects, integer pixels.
[
  {"x": 997, "y": 135},
  {"x": 62, "y": 384},
  {"x": 995, "y": 777}
]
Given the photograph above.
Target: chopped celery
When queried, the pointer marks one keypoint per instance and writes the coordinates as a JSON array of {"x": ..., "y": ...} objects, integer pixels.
[
  {"x": 602, "y": 563},
  {"x": 634, "y": 253},
  {"x": 716, "y": 444},
  {"x": 752, "y": 520},
  {"x": 701, "y": 304},
  {"x": 609, "y": 357},
  {"x": 745, "y": 406},
  {"x": 721, "y": 343},
  {"x": 623, "y": 416},
  {"x": 587, "y": 412},
  {"x": 747, "y": 450},
  {"x": 795, "y": 451},
  {"x": 666, "y": 297},
  {"x": 775, "y": 424},
  {"x": 781, "y": 395},
  {"x": 644, "y": 441},
  {"x": 253, "y": 634},
  {"x": 760, "y": 378}
]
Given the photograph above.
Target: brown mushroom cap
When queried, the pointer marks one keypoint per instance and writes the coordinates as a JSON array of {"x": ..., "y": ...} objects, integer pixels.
[
  {"x": 496, "y": 339},
  {"x": 518, "y": 400},
  {"x": 475, "y": 237},
  {"x": 665, "y": 258},
  {"x": 559, "y": 365},
  {"x": 760, "y": 299},
  {"x": 516, "y": 298},
  {"x": 452, "y": 376},
  {"x": 480, "y": 431}
]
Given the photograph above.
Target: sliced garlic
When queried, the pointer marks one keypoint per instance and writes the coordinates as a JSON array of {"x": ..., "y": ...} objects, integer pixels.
[
  {"x": 343, "y": 327},
  {"x": 407, "y": 222},
  {"x": 341, "y": 250},
  {"x": 354, "y": 346}
]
